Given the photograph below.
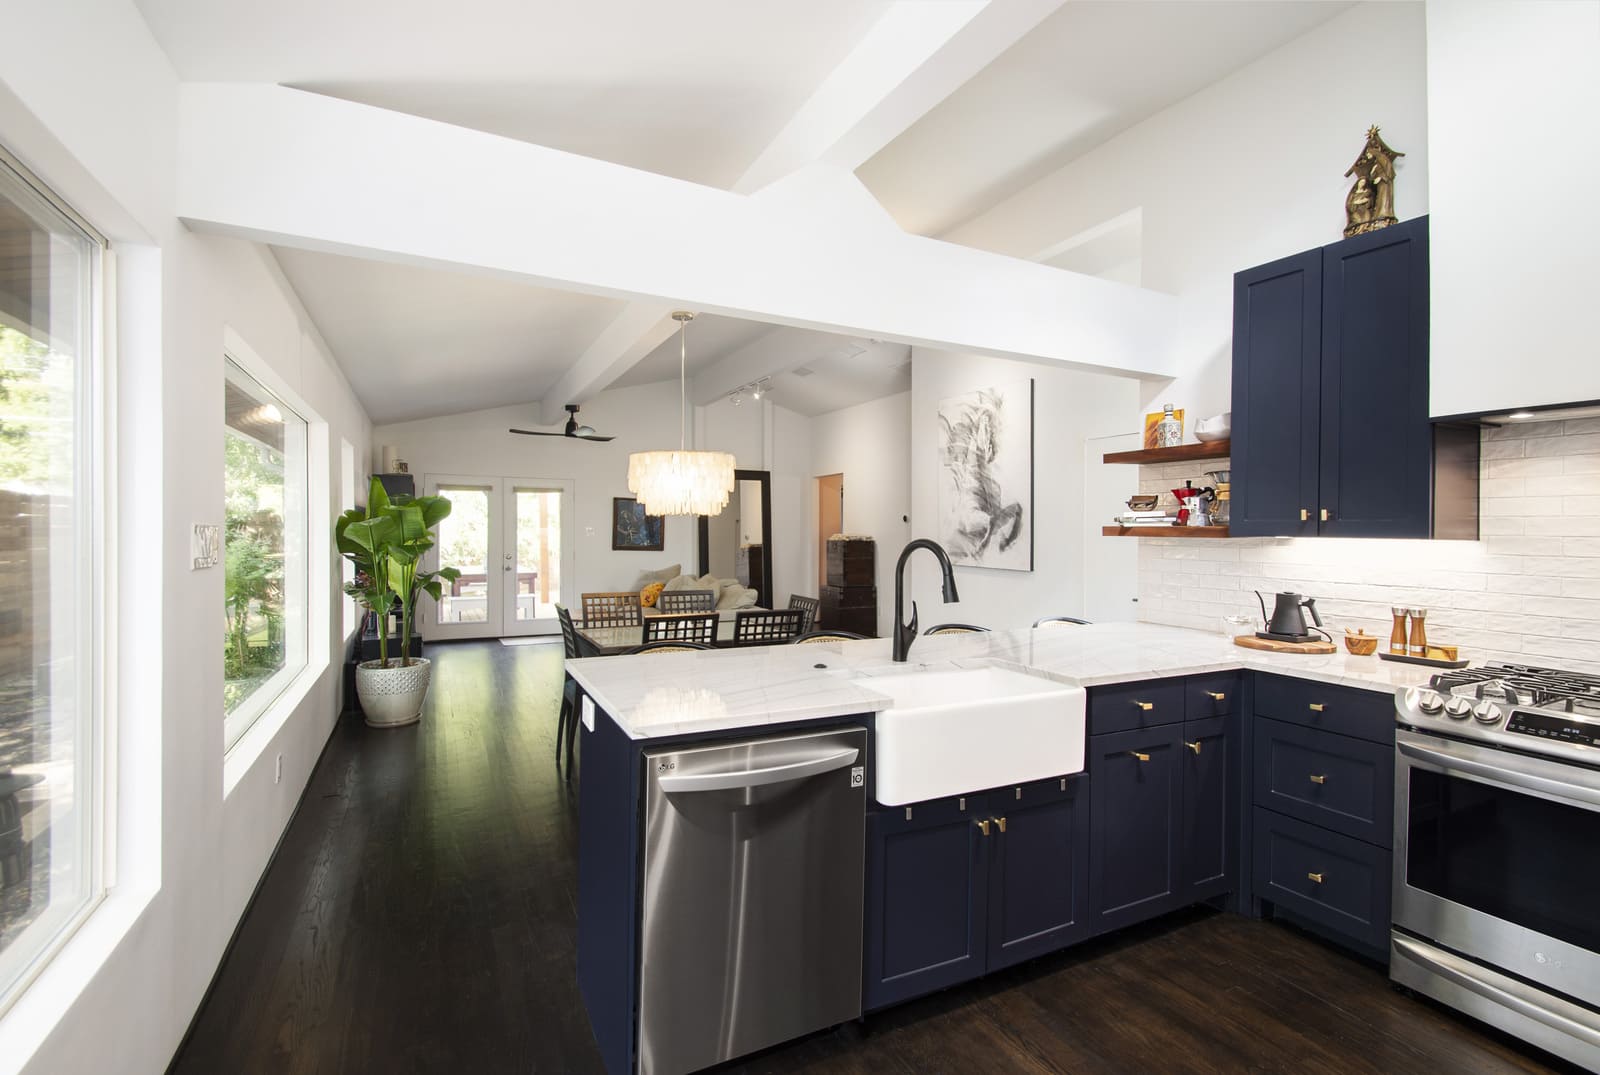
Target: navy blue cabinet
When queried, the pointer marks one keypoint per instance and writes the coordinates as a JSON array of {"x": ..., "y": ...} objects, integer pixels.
[
  {"x": 927, "y": 896},
  {"x": 1211, "y": 802},
  {"x": 957, "y": 887},
  {"x": 1038, "y": 872},
  {"x": 1331, "y": 433},
  {"x": 1136, "y": 783}
]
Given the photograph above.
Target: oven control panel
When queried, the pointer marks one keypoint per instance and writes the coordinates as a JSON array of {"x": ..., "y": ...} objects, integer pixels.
[{"x": 1558, "y": 726}]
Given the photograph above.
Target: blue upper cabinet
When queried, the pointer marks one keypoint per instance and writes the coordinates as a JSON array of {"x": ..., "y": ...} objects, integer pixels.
[
  {"x": 1277, "y": 339},
  {"x": 1376, "y": 439},
  {"x": 1331, "y": 433}
]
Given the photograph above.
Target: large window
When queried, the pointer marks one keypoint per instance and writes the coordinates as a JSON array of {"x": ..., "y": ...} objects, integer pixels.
[
  {"x": 50, "y": 547},
  {"x": 264, "y": 549}
]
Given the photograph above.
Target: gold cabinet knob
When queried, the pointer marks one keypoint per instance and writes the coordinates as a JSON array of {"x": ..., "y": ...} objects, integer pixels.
[
  {"x": 1318, "y": 778},
  {"x": 1146, "y": 706},
  {"x": 1317, "y": 877},
  {"x": 1217, "y": 696},
  {"x": 1141, "y": 757},
  {"x": 1000, "y": 822},
  {"x": 1304, "y": 515},
  {"x": 1317, "y": 707},
  {"x": 1195, "y": 746},
  {"x": 1323, "y": 515},
  {"x": 984, "y": 826}
]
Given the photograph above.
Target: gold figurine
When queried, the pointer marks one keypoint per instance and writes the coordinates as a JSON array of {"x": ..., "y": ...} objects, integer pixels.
[{"x": 1370, "y": 203}]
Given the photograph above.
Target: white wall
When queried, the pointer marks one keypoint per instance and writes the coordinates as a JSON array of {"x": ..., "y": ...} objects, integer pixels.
[
  {"x": 870, "y": 444},
  {"x": 1068, "y": 407},
  {"x": 90, "y": 106},
  {"x": 1247, "y": 170},
  {"x": 1528, "y": 591},
  {"x": 1513, "y": 96}
]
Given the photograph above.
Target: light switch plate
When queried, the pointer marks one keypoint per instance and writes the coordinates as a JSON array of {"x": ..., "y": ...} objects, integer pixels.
[{"x": 205, "y": 545}]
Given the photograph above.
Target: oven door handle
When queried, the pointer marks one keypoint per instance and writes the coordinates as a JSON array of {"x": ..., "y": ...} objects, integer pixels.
[{"x": 1581, "y": 787}]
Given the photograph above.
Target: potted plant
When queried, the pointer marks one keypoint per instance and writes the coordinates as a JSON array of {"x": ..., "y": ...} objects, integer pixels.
[{"x": 386, "y": 543}]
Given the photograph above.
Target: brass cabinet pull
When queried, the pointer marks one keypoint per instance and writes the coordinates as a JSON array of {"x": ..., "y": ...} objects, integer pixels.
[
  {"x": 1001, "y": 822},
  {"x": 1146, "y": 706},
  {"x": 1217, "y": 696},
  {"x": 1195, "y": 746},
  {"x": 1141, "y": 757},
  {"x": 1323, "y": 515},
  {"x": 1318, "y": 778},
  {"x": 1317, "y": 877},
  {"x": 1304, "y": 515},
  {"x": 1317, "y": 707},
  {"x": 984, "y": 825}
]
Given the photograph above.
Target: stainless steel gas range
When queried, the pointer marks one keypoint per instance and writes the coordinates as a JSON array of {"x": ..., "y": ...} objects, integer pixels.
[{"x": 1497, "y": 851}]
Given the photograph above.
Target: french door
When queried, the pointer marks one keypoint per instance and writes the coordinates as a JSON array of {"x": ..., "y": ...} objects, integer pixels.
[{"x": 510, "y": 539}]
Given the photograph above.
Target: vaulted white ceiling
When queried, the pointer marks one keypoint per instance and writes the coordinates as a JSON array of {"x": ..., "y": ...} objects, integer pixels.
[
  {"x": 693, "y": 89},
  {"x": 1085, "y": 74}
]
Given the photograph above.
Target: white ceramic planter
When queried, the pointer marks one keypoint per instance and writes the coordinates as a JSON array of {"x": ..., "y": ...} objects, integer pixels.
[{"x": 392, "y": 696}]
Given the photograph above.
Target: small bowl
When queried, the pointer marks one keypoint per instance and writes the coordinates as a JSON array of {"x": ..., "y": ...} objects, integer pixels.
[
  {"x": 1362, "y": 645},
  {"x": 1217, "y": 427}
]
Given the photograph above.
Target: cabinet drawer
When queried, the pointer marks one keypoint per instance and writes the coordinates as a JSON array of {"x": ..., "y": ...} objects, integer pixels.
[
  {"x": 1337, "y": 882},
  {"x": 1335, "y": 781},
  {"x": 1126, "y": 707},
  {"x": 1346, "y": 710},
  {"x": 1215, "y": 695}
]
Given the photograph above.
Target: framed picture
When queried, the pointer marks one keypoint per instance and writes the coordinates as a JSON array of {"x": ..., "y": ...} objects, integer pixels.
[
  {"x": 632, "y": 530},
  {"x": 986, "y": 477}
]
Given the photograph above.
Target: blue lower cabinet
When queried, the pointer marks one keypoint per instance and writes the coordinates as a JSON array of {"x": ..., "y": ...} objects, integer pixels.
[
  {"x": 1210, "y": 822},
  {"x": 1325, "y": 878},
  {"x": 927, "y": 895},
  {"x": 1038, "y": 869},
  {"x": 1135, "y": 845}
]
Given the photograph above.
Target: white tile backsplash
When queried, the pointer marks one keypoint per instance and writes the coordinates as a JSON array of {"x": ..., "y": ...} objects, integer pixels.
[{"x": 1528, "y": 591}]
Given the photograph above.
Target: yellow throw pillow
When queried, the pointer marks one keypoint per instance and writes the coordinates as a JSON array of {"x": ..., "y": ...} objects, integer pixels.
[{"x": 648, "y": 595}]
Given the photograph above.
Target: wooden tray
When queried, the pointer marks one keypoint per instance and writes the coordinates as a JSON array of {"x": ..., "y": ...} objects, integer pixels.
[
  {"x": 1272, "y": 645},
  {"x": 1431, "y": 662}
]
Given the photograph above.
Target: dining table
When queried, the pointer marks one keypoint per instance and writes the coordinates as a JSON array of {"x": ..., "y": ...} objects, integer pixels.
[{"x": 611, "y": 641}]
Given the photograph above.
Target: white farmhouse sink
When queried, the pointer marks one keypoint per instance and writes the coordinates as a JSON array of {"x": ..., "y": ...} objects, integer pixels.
[{"x": 950, "y": 733}]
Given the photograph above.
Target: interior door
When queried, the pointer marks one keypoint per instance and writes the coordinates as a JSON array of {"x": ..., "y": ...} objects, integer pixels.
[{"x": 469, "y": 540}]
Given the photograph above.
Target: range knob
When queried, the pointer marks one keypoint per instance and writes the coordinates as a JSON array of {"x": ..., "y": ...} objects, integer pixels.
[
  {"x": 1487, "y": 713},
  {"x": 1458, "y": 709},
  {"x": 1430, "y": 702}
]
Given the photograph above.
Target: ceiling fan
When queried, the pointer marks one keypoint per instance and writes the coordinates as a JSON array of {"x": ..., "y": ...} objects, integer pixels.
[{"x": 573, "y": 429}]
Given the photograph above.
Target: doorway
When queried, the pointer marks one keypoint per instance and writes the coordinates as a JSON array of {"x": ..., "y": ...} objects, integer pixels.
[
  {"x": 522, "y": 526},
  {"x": 830, "y": 518}
]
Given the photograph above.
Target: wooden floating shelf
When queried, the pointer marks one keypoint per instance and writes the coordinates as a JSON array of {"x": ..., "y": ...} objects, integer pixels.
[
  {"x": 1183, "y": 453},
  {"x": 1165, "y": 531}
]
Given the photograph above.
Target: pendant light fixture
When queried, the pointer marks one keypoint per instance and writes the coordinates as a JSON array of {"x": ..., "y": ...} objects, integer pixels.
[{"x": 681, "y": 482}]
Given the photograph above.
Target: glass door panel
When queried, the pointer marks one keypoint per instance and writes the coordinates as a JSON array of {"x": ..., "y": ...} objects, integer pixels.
[
  {"x": 535, "y": 554},
  {"x": 468, "y": 541}
]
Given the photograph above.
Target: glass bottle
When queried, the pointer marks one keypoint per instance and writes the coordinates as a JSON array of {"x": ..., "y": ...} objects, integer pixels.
[{"x": 1169, "y": 431}]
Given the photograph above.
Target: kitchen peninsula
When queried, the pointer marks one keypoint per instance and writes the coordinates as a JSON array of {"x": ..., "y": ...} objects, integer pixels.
[{"x": 1162, "y": 812}]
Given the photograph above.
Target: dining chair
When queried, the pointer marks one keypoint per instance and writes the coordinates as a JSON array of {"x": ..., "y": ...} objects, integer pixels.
[
  {"x": 826, "y": 636},
  {"x": 612, "y": 609},
  {"x": 765, "y": 627},
  {"x": 1060, "y": 621},
  {"x": 695, "y": 627},
  {"x": 955, "y": 629},
  {"x": 674, "y": 601},
  {"x": 809, "y": 605},
  {"x": 572, "y": 648},
  {"x": 670, "y": 647}
]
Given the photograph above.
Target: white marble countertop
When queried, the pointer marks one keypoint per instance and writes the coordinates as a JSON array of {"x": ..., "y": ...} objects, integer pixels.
[{"x": 666, "y": 694}]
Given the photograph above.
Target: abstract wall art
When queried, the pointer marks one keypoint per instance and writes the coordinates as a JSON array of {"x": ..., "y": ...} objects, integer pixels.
[{"x": 986, "y": 477}]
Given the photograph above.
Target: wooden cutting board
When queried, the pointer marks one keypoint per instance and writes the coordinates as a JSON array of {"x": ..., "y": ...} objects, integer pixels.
[{"x": 1272, "y": 645}]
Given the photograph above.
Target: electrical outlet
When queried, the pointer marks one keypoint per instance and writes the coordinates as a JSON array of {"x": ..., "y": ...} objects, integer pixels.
[{"x": 277, "y": 776}]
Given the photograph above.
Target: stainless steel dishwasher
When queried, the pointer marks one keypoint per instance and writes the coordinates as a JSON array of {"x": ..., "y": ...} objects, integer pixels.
[{"x": 754, "y": 859}]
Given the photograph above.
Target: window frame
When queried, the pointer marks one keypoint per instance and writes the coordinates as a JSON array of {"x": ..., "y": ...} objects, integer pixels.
[
  {"x": 284, "y": 689},
  {"x": 96, "y": 609}
]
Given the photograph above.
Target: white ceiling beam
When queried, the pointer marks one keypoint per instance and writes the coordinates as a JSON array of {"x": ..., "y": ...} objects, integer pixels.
[
  {"x": 284, "y": 166},
  {"x": 640, "y": 328}
]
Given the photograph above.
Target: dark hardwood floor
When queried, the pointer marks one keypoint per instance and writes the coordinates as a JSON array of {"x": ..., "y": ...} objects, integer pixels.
[{"x": 421, "y": 913}]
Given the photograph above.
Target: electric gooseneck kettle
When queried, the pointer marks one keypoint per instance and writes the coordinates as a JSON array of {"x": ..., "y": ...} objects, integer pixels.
[{"x": 1287, "y": 622}]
